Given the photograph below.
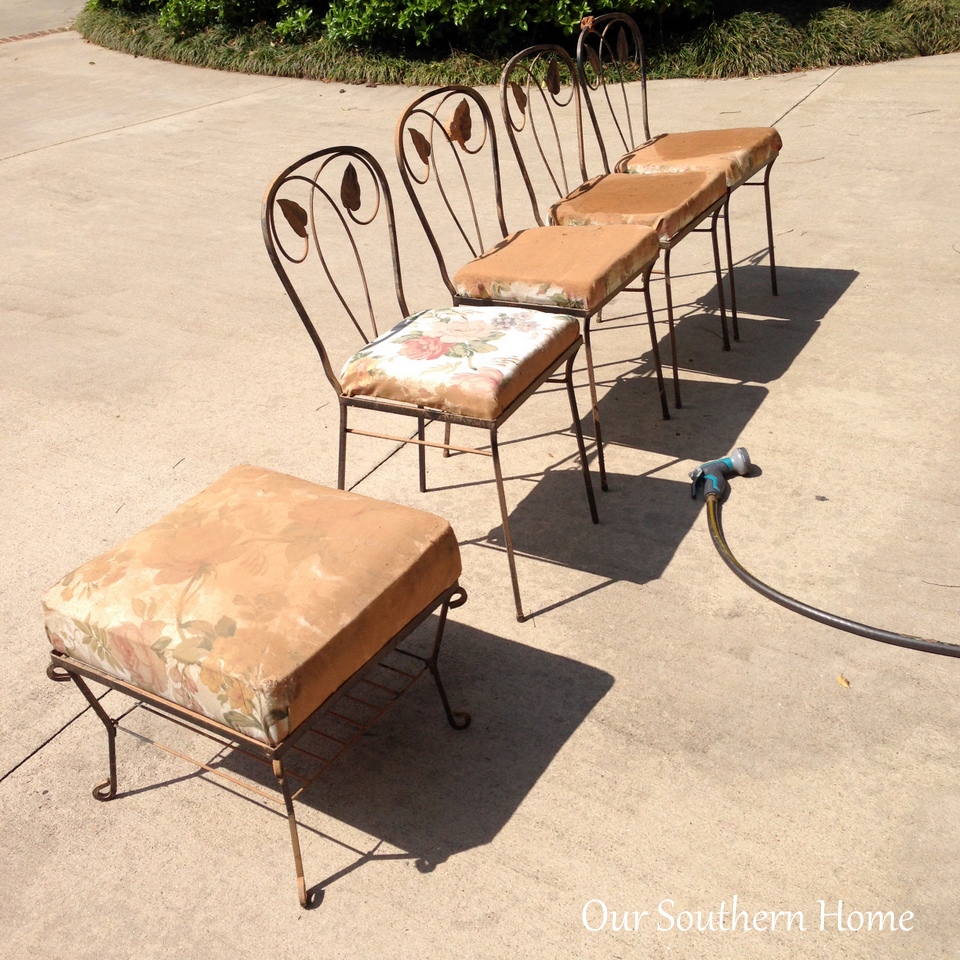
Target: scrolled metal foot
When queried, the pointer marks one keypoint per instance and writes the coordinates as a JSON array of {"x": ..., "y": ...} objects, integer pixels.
[
  {"x": 57, "y": 673},
  {"x": 105, "y": 791},
  {"x": 459, "y": 719}
]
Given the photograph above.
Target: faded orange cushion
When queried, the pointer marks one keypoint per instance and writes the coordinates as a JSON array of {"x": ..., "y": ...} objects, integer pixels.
[
  {"x": 254, "y": 601},
  {"x": 468, "y": 360},
  {"x": 579, "y": 268},
  {"x": 738, "y": 153},
  {"x": 666, "y": 202}
]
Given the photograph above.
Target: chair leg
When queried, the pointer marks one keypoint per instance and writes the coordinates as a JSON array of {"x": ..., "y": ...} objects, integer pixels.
[
  {"x": 505, "y": 519},
  {"x": 106, "y": 790},
  {"x": 716, "y": 265},
  {"x": 446, "y": 437},
  {"x": 578, "y": 430},
  {"x": 655, "y": 345},
  {"x": 668, "y": 289},
  {"x": 773, "y": 259},
  {"x": 591, "y": 379},
  {"x": 458, "y": 719},
  {"x": 730, "y": 274},
  {"x": 719, "y": 272},
  {"x": 342, "y": 451},
  {"x": 278, "y": 772},
  {"x": 422, "y": 455}
]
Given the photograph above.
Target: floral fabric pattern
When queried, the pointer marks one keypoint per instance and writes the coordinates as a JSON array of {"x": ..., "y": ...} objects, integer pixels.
[
  {"x": 576, "y": 268},
  {"x": 739, "y": 152},
  {"x": 254, "y": 601},
  {"x": 471, "y": 361}
]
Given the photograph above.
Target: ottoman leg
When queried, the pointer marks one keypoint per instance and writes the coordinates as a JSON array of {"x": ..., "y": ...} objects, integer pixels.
[
  {"x": 458, "y": 719},
  {"x": 294, "y": 835},
  {"x": 108, "y": 789}
]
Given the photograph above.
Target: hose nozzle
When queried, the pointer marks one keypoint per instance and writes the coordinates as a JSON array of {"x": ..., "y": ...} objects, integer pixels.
[{"x": 713, "y": 474}]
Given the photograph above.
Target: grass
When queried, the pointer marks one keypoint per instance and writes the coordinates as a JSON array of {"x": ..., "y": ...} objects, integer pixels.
[{"x": 778, "y": 39}]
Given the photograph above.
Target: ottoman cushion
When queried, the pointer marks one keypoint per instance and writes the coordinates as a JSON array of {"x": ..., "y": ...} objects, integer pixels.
[{"x": 254, "y": 601}]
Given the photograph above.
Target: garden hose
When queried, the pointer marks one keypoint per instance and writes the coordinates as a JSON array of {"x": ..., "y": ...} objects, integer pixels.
[{"x": 712, "y": 475}]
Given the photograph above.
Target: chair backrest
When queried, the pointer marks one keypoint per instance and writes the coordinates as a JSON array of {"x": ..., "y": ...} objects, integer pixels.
[
  {"x": 310, "y": 217},
  {"x": 446, "y": 149},
  {"x": 610, "y": 59},
  {"x": 540, "y": 103}
]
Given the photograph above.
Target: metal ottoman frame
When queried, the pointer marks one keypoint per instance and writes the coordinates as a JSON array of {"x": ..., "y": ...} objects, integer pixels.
[{"x": 63, "y": 667}]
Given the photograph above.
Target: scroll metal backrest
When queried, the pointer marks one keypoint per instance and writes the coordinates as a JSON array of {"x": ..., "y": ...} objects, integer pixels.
[
  {"x": 447, "y": 153},
  {"x": 540, "y": 102},
  {"x": 311, "y": 215},
  {"x": 610, "y": 59}
]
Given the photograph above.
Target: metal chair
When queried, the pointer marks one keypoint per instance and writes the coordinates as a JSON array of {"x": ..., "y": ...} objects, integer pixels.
[
  {"x": 446, "y": 148},
  {"x": 468, "y": 365},
  {"x": 610, "y": 55},
  {"x": 541, "y": 105}
]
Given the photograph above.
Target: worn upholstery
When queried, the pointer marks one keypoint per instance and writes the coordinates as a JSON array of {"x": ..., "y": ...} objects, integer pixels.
[
  {"x": 467, "y": 360},
  {"x": 254, "y": 601},
  {"x": 578, "y": 268},
  {"x": 666, "y": 202},
  {"x": 738, "y": 153}
]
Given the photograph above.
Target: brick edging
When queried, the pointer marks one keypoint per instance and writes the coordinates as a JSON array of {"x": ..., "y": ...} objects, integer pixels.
[{"x": 36, "y": 33}]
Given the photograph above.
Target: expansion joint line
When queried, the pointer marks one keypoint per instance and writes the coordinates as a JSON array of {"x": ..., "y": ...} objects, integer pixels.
[{"x": 810, "y": 94}]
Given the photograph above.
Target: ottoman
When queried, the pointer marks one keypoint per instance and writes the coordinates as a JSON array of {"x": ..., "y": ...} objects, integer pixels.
[{"x": 250, "y": 610}]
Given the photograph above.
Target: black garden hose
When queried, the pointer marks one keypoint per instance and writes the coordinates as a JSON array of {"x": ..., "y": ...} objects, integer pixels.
[{"x": 804, "y": 609}]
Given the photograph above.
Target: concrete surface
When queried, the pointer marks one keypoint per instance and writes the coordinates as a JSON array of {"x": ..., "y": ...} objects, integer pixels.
[
  {"x": 19, "y": 17},
  {"x": 657, "y": 732}
]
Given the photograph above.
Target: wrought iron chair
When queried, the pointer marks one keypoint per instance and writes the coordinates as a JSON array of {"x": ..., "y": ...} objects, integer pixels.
[
  {"x": 469, "y": 365},
  {"x": 541, "y": 105},
  {"x": 446, "y": 149},
  {"x": 610, "y": 54}
]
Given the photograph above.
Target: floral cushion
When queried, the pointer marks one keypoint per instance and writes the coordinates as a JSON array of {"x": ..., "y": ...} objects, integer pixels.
[
  {"x": 666, "y": 202},
  {"x": 739, "y": 153},
  {"x": 468, "y": 360},
  {"x": 578, "y": 268},
  {"x": 254, "y": 601}
]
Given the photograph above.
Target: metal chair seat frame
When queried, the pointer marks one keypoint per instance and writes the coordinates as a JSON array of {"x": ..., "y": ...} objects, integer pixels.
[
  {"x": 611, "y": 45},
  {"x": 346, "y": 209},
  {"x": 456, "y": 133},
  {"x": 63, "y": 667},
  {"x": 534, "y": 76}
]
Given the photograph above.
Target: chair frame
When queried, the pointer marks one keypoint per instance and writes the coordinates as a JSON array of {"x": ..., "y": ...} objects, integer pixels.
[
  {"x": 426, "y": 151},
  {"x": 63, "y": 667},
  {"x": 278, "y": 253},
  {"x": 522, "y": 81},
  {"x": 611, "y": 43}
]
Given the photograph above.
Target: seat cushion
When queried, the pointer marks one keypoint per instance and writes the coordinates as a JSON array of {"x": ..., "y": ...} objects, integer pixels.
[
  {"x": 666, "y": 202},
  {"x": 254, "y": 601},
  {"x": 467, "y": 360},
  {"x": 738, "y": 153},
  {"x": 578, "y": 268}
]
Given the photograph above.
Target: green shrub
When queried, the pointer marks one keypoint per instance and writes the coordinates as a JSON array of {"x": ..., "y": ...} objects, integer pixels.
[
  {"x": 491, "y": 26},
  {"x": 931, "y": 25},
  {"x": 184, "y": 18}
]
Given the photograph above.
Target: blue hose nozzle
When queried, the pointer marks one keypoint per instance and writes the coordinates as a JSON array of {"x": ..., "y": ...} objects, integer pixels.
[{"x": 713, "y": 474}]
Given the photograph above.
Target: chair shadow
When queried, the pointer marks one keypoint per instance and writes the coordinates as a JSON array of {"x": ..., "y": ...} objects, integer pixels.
[
  {"x": 430, "y": 791},
  {"x": 643, "y": 517},
  {"x": 773, "y": 330}
]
